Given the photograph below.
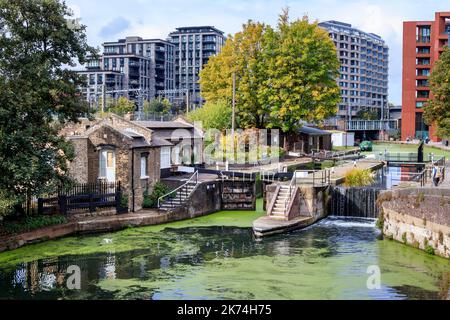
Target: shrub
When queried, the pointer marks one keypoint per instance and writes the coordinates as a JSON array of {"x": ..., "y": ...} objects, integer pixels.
[
  {"x": 359, "y": 178},
  {"x": 151, "y": 201},
  {"x": 380, "y": 221},
  {"x": 404, "y": 237},
  {"x": 124, "y": 201},
  {"x": 430, "y": 250},
  {"x": 32, "y": 223}
]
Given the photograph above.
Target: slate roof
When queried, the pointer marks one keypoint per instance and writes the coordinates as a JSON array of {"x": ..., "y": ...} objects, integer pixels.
[
  {"x": 164, "y": 124},
  {"x": 313, "y": 131}
]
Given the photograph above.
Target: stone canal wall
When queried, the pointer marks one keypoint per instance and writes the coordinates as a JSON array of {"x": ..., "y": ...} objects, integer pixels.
[{"x": 418, "y": 218}]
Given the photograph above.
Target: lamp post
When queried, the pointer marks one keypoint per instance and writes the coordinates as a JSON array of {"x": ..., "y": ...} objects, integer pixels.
[{"x": 234, "y": 105}]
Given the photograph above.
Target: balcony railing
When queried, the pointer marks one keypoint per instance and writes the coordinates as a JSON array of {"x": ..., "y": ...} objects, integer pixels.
[
  {"x": 363, "y": 125},
  {"x": 423, "y": 39}
]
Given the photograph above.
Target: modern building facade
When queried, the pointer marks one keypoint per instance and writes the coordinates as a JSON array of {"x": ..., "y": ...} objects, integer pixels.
[
  {"x": 132, "y": 67},
  {"x": 423, "y": 42},
  {"x": 363, "y": 78},
  {"x": 193, "y": 47}
]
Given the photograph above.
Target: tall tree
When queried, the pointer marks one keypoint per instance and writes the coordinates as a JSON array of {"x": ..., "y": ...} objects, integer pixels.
[
  {"x": 38, "y": 42},
  {"x": 437, "y": 110},
  {"x": 241, "y": 56},
  {"x": 302, "y": 67},
  {"x": 283, "y": 76}
]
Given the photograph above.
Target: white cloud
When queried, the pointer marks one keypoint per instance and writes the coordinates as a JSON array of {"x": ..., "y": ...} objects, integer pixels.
[{"x": 157, "y": 18}]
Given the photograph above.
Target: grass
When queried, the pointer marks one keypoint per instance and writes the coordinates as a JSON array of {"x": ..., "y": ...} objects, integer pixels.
[
  {"x": 32, "y": 223},
  {"x": 358, "y": 178},
  {"x": 406, "y": 148}
]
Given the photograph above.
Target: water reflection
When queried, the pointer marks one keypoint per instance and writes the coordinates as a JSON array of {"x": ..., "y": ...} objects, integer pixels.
[{"x": 328, "y": 260}]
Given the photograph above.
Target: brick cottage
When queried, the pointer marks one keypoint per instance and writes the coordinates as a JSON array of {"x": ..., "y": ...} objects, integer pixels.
[{"x": 115, "y": 149}]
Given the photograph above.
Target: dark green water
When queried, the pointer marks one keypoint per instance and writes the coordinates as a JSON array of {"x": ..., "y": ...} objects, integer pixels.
[{"x": 200, "y": 261}]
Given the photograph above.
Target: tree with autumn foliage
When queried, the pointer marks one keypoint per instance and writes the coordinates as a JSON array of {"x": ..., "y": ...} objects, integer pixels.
[
  {"x": 437, "y": 110},
  {"x": 242, "y": 55},
  {"x": 283, "y": 76}
]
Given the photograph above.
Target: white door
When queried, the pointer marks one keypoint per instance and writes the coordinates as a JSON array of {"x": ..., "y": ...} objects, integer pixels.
[{"x": 108, "y": 165}]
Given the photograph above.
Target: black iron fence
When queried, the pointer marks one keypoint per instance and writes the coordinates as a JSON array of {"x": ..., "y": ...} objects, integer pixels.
[{"x": 83, "y": 198}]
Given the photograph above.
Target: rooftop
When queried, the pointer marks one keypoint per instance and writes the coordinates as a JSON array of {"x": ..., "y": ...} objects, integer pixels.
[
  {"x": 164, "y": 124},
  {"x": 314, "y": 131},
  {"x": 195, "y": 29}
]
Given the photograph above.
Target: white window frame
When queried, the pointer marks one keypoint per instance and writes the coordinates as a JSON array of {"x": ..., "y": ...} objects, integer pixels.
[
  {"x": 166, "y": 162},
  {"x": 144, "y": 166}
]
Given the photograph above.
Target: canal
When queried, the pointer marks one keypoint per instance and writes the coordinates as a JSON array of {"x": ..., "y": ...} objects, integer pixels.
[{"x": 217, "y": 257}]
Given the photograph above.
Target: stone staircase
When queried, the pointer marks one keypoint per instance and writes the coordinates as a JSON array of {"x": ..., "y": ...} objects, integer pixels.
[
  {"x": 279, "y": 210},
  {"x": 178, "y": 197}
]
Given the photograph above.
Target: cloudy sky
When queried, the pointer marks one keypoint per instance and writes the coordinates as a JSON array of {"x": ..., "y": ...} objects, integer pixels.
[{"x": 108, "y": 20}]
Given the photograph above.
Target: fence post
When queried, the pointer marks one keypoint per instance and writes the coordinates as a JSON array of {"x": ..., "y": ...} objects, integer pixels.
[
  {"x": 62, "y": 201},
  {"x": 91, "y": 200},
  {"x": 118, "y": 197},
  {"x": 40, "y": 206}
]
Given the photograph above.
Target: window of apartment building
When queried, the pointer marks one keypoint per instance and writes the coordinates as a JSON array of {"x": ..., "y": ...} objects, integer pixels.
[
  {"x": 422, "y": 130},
  {"x": 422, "y": 94},
  {"x": 423, "y": 50},
  {"x": 420, "y": 104},
  {"x": 423, "y": 72},
  {"x": 423, "y": 61},
  {"x": 423, "y": 34},
  {"x": 422, "y": 83}
]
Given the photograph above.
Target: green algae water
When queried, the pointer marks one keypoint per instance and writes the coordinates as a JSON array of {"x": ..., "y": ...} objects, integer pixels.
[{"x": 217, "y": 257}]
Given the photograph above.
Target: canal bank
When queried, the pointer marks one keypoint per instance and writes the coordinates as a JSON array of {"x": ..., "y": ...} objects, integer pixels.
[
  {"x": 418, "y": 218},
  {"x": 212, "y": 258}
]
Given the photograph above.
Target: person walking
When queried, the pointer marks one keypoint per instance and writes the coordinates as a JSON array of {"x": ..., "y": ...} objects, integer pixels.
[
  {"x": 438, "y": 176},
  {"x": 434, "y": 175}
]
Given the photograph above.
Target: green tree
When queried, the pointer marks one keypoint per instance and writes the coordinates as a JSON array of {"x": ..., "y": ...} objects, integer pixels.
[
  {"x": 122, "y": 106},
  {"x": 241, "y": 55},
  {"x": 367, "y": 114},
  {"x": 213, "y": 115},
  {"x": 302, "y": 67},
  {"x": 38, "y": 94},
  {"x": 437, "y": 110},
  {"x": 283, "y": 76},
  {"x": 157, "y": 106}
]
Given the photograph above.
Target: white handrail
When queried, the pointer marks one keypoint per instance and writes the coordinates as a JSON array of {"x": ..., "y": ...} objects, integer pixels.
[{"x": 180, "y": 187}]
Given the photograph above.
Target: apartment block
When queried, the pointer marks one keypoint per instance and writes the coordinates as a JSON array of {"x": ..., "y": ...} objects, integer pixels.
[
  {"x": 193, "y": 48},
  {"x": 423, "y": 42},
  {"x": 136, "y": 68},
  {"x": 363, "y": 78}
]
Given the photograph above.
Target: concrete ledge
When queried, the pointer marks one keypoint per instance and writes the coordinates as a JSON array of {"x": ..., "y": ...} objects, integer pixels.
[{"x": 267, "y": 226}]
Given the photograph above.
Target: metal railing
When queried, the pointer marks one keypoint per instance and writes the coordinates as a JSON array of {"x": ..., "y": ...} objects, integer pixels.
[
  {"x": 181, "y": 190},
  {"x": 316, "y": 178},
  {"x": 362, "y": 125}
]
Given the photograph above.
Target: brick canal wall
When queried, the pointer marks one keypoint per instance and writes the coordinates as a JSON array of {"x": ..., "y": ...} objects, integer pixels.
[{"x": 418, "y": 218}]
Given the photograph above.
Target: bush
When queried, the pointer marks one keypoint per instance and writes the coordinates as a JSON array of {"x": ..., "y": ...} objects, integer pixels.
[
  {"x": 124, "y": 201},
  {"x": 151, "y": 201},
  {"x": 32, "y": 223},
  {"x": 359, "y": 178},
  {"x": 380, "y": 221},
  {"x": 430, "y": 250}
]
